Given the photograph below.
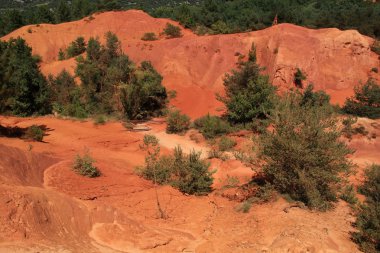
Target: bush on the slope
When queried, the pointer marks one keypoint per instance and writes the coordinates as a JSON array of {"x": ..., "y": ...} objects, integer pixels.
[
  {"x": 177, "y": 122},
  {"x": 304, "y": 156},
  {"x": 249, "y": 95},
  {"x": 368, "y": 220},
  {"x": 187, "y": 172},
  {"x": 84, "y": 166},
  {"x": 365, "y": 102},
  {"x": 212, "y": 126},
  {"x": 172, "y": 31}
]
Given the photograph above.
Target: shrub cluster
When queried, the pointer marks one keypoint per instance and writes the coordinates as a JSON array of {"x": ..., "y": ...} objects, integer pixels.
[
  {"x": 83, "y": 165},
  {"x": 77, "y": 47},
  {"x": 110, "y": 84},
  {"x": 34, "y": 132},
  {"x": 304, "y": 156},
  {"x": 365, "y": 102},
  {"x": 212, "y": 126},
  {"x": 177, "y": 122},
  {"x": 149, "y": 37},
  {"x": 172, "y": 31},
  {"x": 368, "y": 220},
  {"x": 226, "y": 143},
  {"x": 187, "y": 172}
]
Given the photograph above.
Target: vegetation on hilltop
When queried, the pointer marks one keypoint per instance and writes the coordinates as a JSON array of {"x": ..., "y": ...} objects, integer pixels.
[{"x": 208, "y": 16}]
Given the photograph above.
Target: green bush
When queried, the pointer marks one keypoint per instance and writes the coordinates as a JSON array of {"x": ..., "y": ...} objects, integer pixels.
[
  {"x": 149, "y": 37},
  {"x": 226, "y": 143},
  {"x": 61, "y": 55},
  {"x": 212, "y": 126},
  {"x": 304, "y": 155},
  {"x": 188, "y": 173},
  {"x": 84, "y": 166},
  {"x": 299, "y": 77},
  {"x": 368, "y": 220},
  {"x": 177, "y": 122},
  {"x": 77, "y": 47},
  {"x": 376, "y": 47},
  {"x": 349, "y": 194},
  {"x": 172, "y": 31},
  {"x": 249, "y": 95},
  {"x": 34, "y": 132},
  {"x": 365, "y": 102},
  {"x": 100, "y": 120}
]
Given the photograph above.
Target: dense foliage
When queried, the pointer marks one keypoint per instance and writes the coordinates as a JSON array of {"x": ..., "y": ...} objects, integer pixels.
[
  {"x": 177, "y": 122},
  {"x": 365, "y": 102},
  {"x": 304, "y": 156},
  {"x": 206, "y": 16},
  {"x": 187, "y": 172},
  {"x": 23, "y": 89},
  {"x": 249, "y": 95},
  {"x": 368, "y": 220},
  {"x": 212, "y": 126},
  {"x": 220, "y": 16}
]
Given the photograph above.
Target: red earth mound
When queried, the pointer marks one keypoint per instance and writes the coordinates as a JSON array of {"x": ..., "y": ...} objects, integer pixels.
[{"x": 194, "y": 66}]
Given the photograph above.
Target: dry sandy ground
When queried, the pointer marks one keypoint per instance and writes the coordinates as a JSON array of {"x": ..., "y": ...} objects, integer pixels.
[{"x": 46, "y": 207}]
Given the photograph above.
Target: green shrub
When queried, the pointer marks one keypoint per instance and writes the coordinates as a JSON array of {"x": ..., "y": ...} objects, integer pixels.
[
  {"x": 172, "y": 31},
  {"x": 215, "y": 153},
  {"x": 188, "y": 173},
  {"x": 61, "y": 55},
  {"x": 299, "y": 77},
  {"x": 249, "y": 94},
  {"x": 77, "y": 47},
  {"x": 84, "y": 166},
  {"x": 349, "y": 194},
  {"x": 177, "y": 122},
  {"x": 376, "y": 47},
  {"x": 368, "y": 220},
  {"x": 226, "y": 143},
  {"x": 149, "y": 37},
  {"x": 365, "y": 102},
  {"x": 212, "y": 126},
  {"x": 34, "y": 132},
  {"x": 100, "y": 120},
  {"x": 304, "y": 155}
]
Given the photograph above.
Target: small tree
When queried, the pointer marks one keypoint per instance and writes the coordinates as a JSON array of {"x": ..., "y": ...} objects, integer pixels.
[
  {"x": 365, "y": 102},
  {"x": 299, "y": 77},
  {"x": 368, "y": 220},
  {"x": 77, "y": 47},
  {"x": 151, "y": 146},
  {"x": 303, "y": 154},
  {"x": 177, "y": 122},
  {"x": 61, "y": 55},
  {"x": 249, "y": 95},
  {"x": 172, "y": 31}
]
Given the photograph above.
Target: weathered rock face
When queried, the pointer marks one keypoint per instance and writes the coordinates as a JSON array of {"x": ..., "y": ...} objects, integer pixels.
[{"x": 333, "y": 60}]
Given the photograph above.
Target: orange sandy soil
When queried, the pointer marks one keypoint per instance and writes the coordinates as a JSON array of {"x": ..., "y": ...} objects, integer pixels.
[
  {"x": 46, "y": 207},
  {"x": 195, "y": 66}
]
